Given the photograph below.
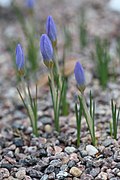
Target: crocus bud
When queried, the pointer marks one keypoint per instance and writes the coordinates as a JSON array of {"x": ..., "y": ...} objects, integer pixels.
[
  {"x": 30, "y": 3},
  {"x": 46, "y": 50},
  {"x": 20, "y": 58},
  {"x": 79, "y": 76},
  {"x": 51, "y": 30}
]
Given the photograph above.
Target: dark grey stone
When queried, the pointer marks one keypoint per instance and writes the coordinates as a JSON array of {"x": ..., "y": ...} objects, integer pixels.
[
  {"x": 56, "y": 163},
  {"x": 34, "y": 174},
  {"x": 71, "y": 164},
  {"x": 42, "y": 153},
  {"x": 49, "y": 169},
  {"x": 18, "y": 142},
  {"x": 107, "y": 142},
  {"x": 46, "y": 120}
]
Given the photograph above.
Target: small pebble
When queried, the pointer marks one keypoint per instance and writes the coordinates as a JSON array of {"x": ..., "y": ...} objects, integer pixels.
[
  {"x": 73, "y": 156},
  {"x": 75, "y": 171},
  {"x": 57, "y": 150},
  {"x": 62, "y": 175},
  {"x": 69, "y": 149},
  {"x": 118, "y": 174},
  {"x": 31, "y": 149},
  {"x": 51, "y": 176},
  {"x": 56, "y": 163},
  {"x": 21, "y": 174},
  {"x": 107, "y": 142},
  {"x": 42, "y": 153},
  {"x": 4, "y": 173},
  {"x": 18, "y": 142},
  {"x": 27, "y": 178},
  {"x": 49, "y": 169},
  {"x": 34, "y": 173},
  {"x": 64, "y": 167},
  {"x": 44, "y": 177},
  {"x": 95, "y": 171},
  {"x": 11, "y": 178},
  {"x": 48, "y": 128},
  {"x": 71, "y": 163},
  {"x": 83, "y": 153},
  {"x": 91, "y": 150},
  {"x": 102, "y": 175}
]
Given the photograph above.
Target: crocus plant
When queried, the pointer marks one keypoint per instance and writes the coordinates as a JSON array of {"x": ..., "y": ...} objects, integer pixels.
[
  {"x": 89, "y": 115},
  {"x": 24, "y": 90},
  {"x": 58, "y": 77},
  {"x": 56, "y": 93},
  {"x": 51, "y": 31}
]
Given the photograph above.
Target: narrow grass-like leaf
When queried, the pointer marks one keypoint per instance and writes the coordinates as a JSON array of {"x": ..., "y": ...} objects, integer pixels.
[
  {"x": 26, "y": 107},
  {"x": 115, "y": 117}
]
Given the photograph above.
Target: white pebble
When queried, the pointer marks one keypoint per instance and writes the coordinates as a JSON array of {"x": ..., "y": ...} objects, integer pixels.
[{"x": 91, "y": 150}]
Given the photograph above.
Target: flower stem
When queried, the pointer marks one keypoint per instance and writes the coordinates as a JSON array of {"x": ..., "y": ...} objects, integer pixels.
[
  {"x": 56, "y": 99},
  {"x": 88, "y": 118}
]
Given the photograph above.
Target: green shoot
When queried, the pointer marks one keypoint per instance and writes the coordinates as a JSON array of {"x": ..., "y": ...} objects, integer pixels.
[
  {"x": 30, "y": 105},
  {"x": 82, "y": 29},
  {"x": 115, "y": 118},
  {"x": 64, "y": 103},
  {"x": 89, "y": 116},
  {"x": 92, "y": 113},
  {"x": 102, "y": 57},
  {"x": 59, "y": 81},
  {"x": 56, "y": 95}
]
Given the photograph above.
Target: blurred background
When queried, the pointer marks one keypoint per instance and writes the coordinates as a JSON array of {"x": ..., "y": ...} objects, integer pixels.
[{"x": 78, "y": 23}]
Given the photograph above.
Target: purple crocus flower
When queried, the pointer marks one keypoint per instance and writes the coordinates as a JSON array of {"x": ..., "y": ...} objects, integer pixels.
[
  {"x": 30, "y": 3},
  {"x": 19, "y": 57},
  {"x": 46, "y": 49},
  {"x": 79, "y": 76},
  {"x": 51, "y": 29}
]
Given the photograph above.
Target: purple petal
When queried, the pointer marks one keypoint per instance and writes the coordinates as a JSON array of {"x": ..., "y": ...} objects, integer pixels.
[
  {"x": 19, "y": 57},
  {"x": 79, "y": 74},
  {"x": 46, "y": 48},
  {"x": 51, "y": 29}
]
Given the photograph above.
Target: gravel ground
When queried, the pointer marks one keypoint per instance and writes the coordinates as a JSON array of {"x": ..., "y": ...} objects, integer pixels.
[{"x": 53, "y": 155}]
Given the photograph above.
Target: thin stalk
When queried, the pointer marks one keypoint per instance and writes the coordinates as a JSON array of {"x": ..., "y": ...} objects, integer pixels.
[
  {"x": 78, "y": 120},
  {"x": 29, "y": 105},
  {"x": 36, "y": 116},
  {"x": 57, "y": 67},
  {"x": 55, "y": 99},
  {"x": 88, "y": 118},
  {"x": 115, "y": 117},
  {"x": 25, "y": 106}
]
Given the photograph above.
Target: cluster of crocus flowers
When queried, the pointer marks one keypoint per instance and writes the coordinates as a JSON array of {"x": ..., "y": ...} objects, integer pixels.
[
  {"x": 48, "y": 47},
  {"x": 48, "y": 42}
]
